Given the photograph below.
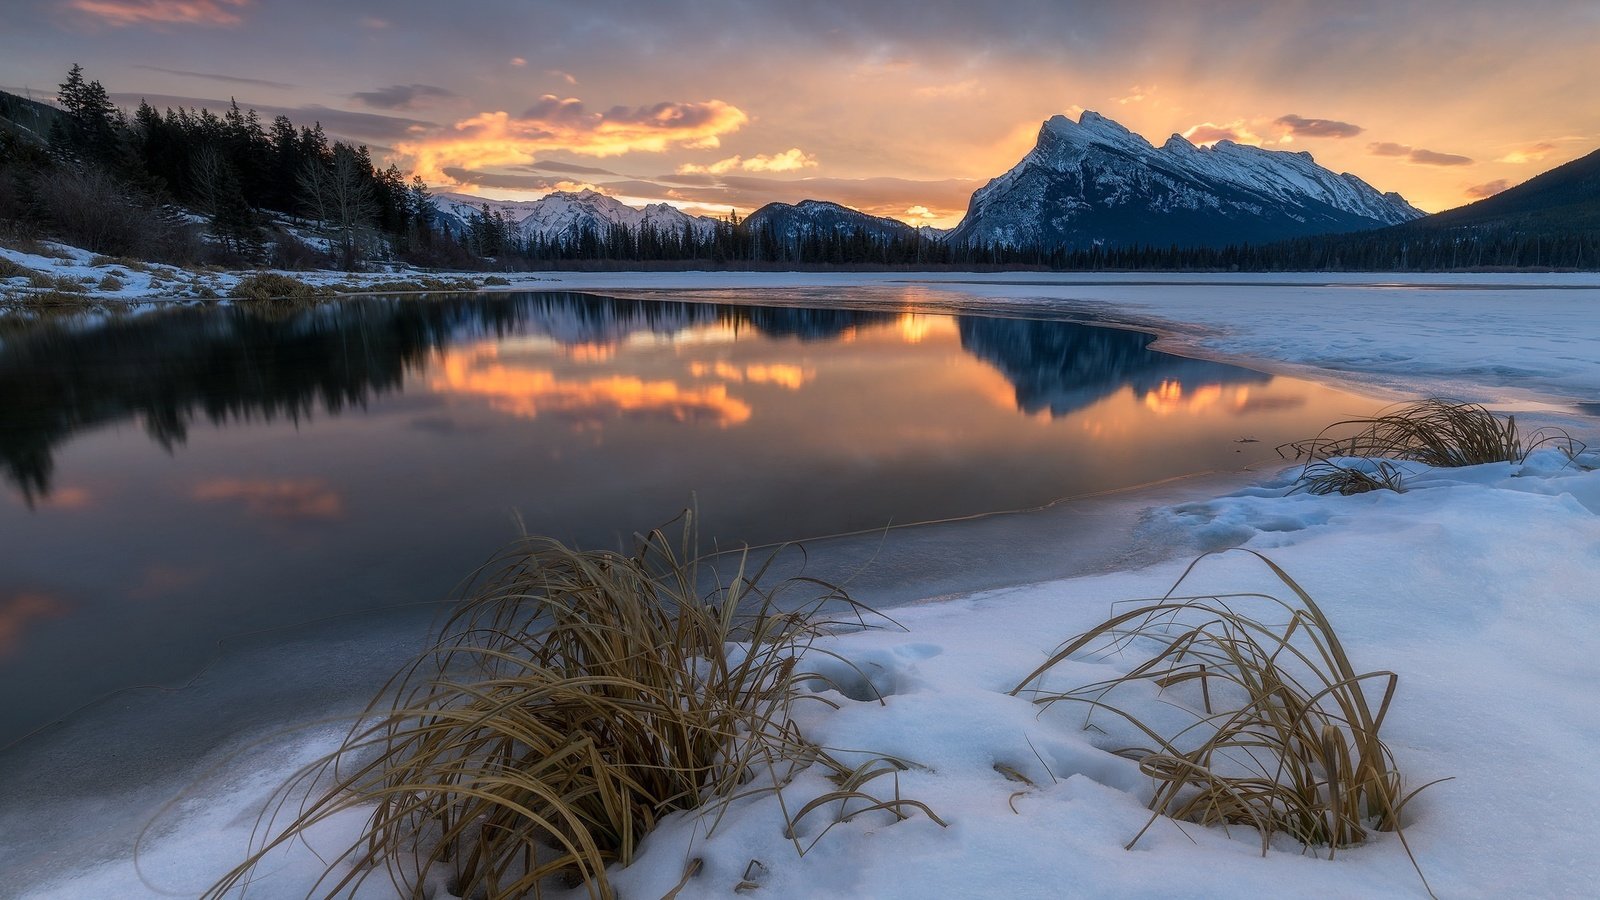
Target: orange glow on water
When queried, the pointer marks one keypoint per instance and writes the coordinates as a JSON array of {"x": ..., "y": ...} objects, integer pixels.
[{"x": 529, "y": 392}]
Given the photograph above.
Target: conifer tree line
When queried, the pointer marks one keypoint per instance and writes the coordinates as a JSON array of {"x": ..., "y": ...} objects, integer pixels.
[
  {"x": 135, "y": 185},
  {"x": 152, "y": 172}
]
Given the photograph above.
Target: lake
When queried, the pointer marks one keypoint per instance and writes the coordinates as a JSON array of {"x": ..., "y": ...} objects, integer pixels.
[{"x": 179, "y": 477}]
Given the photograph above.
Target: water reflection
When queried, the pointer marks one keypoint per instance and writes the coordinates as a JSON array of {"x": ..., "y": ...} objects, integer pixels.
[
  {"x": 371, "y": 453},
  {"x": 252, "y": 363},
  {"x": 1062, "y": 370}
]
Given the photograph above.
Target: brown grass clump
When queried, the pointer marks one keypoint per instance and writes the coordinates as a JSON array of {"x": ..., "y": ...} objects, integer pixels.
[
  {"x": 1322, "y": 477},
  {"x": 9, "y": 269},
  {"x": 1435, "y": 432},
  {"x": 1284, "y": 736},
  {"x": 272, "y": 286},
  {"x": 574, "y": 700}
]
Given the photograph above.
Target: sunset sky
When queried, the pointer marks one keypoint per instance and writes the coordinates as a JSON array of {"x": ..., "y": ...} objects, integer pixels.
[{"x": 897, "y": 108}]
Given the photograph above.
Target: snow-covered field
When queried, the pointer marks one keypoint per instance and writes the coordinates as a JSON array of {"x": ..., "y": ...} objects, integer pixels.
[{"x": 1477, "y": 587}]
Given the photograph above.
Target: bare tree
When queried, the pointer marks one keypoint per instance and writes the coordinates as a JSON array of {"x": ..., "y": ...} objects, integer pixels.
[{"x": 340, "y": 197}]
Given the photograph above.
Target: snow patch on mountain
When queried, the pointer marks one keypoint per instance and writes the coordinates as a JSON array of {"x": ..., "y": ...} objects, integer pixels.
[
  {"x": 1093, "y": 181},
  {"x": 563, "y": 214}
]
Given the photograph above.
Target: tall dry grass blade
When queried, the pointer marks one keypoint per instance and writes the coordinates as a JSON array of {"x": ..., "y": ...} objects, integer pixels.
[
  {"x": 574, "y": 699},
  {"x": 1296, "y": 752}
]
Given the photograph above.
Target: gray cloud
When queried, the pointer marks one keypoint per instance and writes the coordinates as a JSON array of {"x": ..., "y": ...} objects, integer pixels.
[
  {"x": 1488, "y": 188},
  {"x": 569, "y": 168},
  {"x": 229, "y": 79},
  {"x": 1418, "y": 155},
  {"x": 400, "y": 96},
  {"x": 666, "y": 115},
  {"x": 340, "y": 123},
  {"x": 1301, "y": 126},
  {"x": 1435, "y": 158},
  {"x": 879, "y": 196},
  {"x": 503, "y": 180}
]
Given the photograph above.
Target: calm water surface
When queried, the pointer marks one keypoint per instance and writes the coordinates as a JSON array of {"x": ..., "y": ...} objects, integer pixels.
[{"x": 177, "y": 478}]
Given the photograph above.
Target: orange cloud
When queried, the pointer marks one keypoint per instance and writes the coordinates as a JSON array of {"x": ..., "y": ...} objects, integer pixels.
[
  {"x": 1528, "y": 154},
  {"x": 556, "y": 124},
  {"x": 529, "y": 393},
  {"x": 789, "y": 160},
  {"x": 17, "y": 610},
  {"x": 1488, "y": 188},
  {"x": 780, "y": 374},
  {"x": 282, "y": 498},
  {"x": 1207, "y": 133},
  {"x": 145, "y": 12}
]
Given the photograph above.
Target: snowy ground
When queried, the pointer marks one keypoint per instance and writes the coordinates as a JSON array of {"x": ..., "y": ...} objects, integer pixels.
[{"x": 1477, "y": 587}]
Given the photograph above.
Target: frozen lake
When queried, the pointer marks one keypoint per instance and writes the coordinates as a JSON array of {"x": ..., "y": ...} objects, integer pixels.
[{"x": 194, "y": 475}]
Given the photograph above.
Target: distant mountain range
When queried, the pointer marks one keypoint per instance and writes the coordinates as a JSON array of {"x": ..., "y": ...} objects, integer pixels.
[
  {"x": 1085, "y": 183},
  {"x": 563, "y": 213},
  {"x": 1094, "y": 182}
]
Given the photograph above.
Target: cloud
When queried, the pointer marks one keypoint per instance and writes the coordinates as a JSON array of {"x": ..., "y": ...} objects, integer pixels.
[
  {"x": 229, "y": 79},
  {"x": 960, "y": 90},
  {"x": 1488, "y": 188},
  {"x": 881, "y": 196},
  {"x": 569, "y": 168},
  {"x": 518, "y": 62},
  {"x": 400, "y": 96},
  {"x": 340, "y": 123},
  {"x": 284, "y": 499},
  {"x": 556, "y": 124},
  {"x": 568, "y": 77},
  {"x": 121, "y": 13},
  {"x": 1210, "y": 133},
  {"x": 1136, "y": 94},
  {"x": 508, "y": 181},
  {"x": 791, "y": 160},
  {"x": 1435, "y": 158},
  {"x": 1329, "y": 128},
  {"x": 1418, "y": 155},
  {"x": 1528, "y": 154}
]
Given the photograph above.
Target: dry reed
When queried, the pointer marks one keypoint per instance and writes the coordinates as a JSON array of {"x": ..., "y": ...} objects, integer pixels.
[
  {"x": 1284, "y": 736},
  {"x": 574, "y": 700}
]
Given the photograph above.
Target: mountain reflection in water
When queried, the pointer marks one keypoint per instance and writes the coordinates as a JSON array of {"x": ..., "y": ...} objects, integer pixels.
[
  {"x": 248, "y": 363},
  {"x": 291, "y": 463}
]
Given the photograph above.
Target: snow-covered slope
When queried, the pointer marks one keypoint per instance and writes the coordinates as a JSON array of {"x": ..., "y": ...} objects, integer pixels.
[
  {"x": 560, "y": 215},
  {"x": 792, "y": 222},
  {"x": 1095, "y": 182}
]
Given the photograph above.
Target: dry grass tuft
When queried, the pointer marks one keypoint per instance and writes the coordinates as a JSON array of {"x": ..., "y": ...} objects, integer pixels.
[
  {"x": 1435, "y": 432},
  {"x": 272, "y": 286},
  {"x": 575, "y": 699},
  {"x": 1283, "y": 738},
  {"x": 1322, "y": 477}
]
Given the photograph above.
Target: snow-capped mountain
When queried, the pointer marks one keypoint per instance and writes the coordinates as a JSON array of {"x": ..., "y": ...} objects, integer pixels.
[
  {"x": 562, "y": 214},
  {"x": 1095, "y": 182},
  {"x": 792, "y": 222}
]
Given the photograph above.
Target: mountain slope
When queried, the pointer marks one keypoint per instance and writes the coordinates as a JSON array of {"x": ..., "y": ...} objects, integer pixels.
[
  {"x": 793, "y": 222},
  {"x": 1564, "y": 199},
  {"x": 1095, "y": 182},
  {"x": 562, "y": 214}
]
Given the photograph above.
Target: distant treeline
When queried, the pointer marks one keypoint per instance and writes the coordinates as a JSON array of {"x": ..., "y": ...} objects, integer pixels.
[{"x": 185, "y": 185}]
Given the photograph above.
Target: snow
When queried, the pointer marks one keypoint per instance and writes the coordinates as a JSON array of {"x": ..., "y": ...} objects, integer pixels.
[{"x": 1476, "y": 587}]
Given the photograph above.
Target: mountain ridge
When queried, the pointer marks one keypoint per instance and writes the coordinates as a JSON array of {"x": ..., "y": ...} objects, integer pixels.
[{"x": 1094, "y": 182}]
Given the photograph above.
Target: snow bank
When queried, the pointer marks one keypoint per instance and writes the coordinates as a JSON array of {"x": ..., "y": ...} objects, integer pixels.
[{"x": 1475, "y": 586}]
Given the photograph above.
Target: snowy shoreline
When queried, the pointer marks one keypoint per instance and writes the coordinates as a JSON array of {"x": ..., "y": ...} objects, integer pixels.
[{"x": 1475, "y": 587}]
